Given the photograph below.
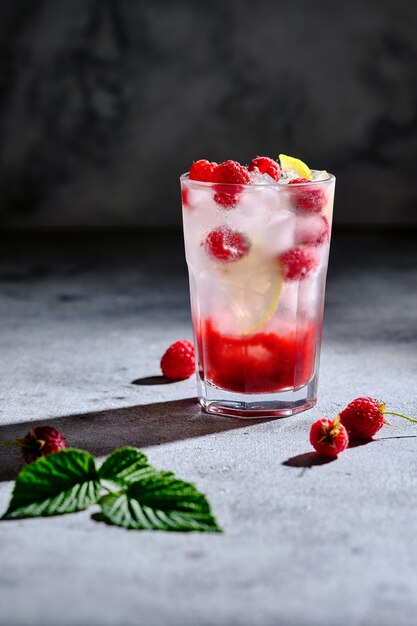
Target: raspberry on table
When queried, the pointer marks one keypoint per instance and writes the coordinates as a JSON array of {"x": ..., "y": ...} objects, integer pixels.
[
  {"x": 313, "y": 230},
  {"x": 226, "y": 245},
  {"x": 41, "y": 441},
  {"x": 229, "y": 176},
  {"x": 308, "y": 198},
  {"x": 329, "y": 437},
  {"x": 299, "y": 262},
  {"x": 364, "y": 417},
  {"x": 202, "y": 170},
  {"x": 265, "y": 165},
  {"x": 178, "y": 362}
]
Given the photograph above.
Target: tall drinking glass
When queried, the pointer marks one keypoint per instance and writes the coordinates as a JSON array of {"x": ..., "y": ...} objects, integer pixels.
[{"x": 257, "y": 260}]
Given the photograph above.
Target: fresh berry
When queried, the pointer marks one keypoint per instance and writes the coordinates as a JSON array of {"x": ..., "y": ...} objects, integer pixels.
[
  {"x": 202, "y": 170},
  {"x": 41, "y": 441},
  {"x": 185, "y": 197},
  {"x": 178, "y": 362},
  {"x": 299, "y": 262},
  {"x": 297, "y": 181},
  {"x": 313, "y": 230},
  {"x": 307, "y": 198},
  {"x": 227, "y": 199},
  {"x": 363, "y": 417},
  {"x": 231, "y": 172},
  {"x": 230, "y": 175},
  {"x": 226, "y": 245},
  {"x": 265, "y": 165},
  {"x": 329, "y": 437}
]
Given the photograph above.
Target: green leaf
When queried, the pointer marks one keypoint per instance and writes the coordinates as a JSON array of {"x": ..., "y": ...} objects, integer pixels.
[
  {"x": 159, "y": 502},
  {"x": 125, "y": 466},
  {"x": 64, "y": 482}
]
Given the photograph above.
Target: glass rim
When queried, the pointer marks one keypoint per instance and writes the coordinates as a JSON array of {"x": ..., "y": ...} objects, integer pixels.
[{"x": 275, "y": 184}]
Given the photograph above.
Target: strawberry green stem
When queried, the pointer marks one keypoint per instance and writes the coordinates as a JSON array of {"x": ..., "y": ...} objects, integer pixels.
[{"x": 410, "y": 419}]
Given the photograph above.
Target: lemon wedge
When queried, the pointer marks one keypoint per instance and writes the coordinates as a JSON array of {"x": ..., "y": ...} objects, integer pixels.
[
  {"x": 252, "y": 287},
  {"x": 296, "y": 165}
]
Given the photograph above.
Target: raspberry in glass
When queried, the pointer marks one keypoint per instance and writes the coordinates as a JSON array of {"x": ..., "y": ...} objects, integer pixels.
[
  {"x": 202, "y": 170},
  {"x": 313, "y": 230},
  {"x": 226, "y": 245},
  {"x": 265, "y": 165},
  {"x": 230, "y": 175},
  {"x": 307, "y": 198},
  {"x": 299, "y": 262}
]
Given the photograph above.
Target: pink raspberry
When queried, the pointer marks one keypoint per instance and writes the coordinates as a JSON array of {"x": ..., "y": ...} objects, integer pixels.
[
  {"x": 226, "y": 245},
  {"x": 185, "y": 198},
  {"x": 307, "y": 198},
  {"x": 227, "y": 199},
  {"x": 202, "y": 170},
  {"x": 299, "y": 262},
  {"x": 41, "y": 441},
  {"x": 230, "y": 175},
  {"x": 265, "y": 165},
  {"x": 363, "y": 417},
  {"x": 178, "y": 362},
  {"x": 313, "y": 230},
  {"x": 329, "y": 437},
  {"x": 231, "y": 172}
]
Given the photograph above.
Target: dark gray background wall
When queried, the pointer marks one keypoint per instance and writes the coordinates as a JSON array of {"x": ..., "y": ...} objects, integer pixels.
[{"x": 104, "y": 102}]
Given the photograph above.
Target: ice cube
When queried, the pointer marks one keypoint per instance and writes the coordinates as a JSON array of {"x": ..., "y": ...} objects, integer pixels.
[
  {"x": 287, "y": 175},
  {"x": 310, "y": 295},
  {"x": 279, "y": 235},
  {"x": 320, "y": 174},
  {"x": 312, "y": 229},
  {"x": 256, "y": 178},
  {"x": 252, "y": 214}
]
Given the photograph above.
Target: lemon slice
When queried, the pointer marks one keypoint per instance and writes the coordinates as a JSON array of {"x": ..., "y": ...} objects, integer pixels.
[
  {"x": 291, "y": 163},
  {"x": 252, "y": 286}
]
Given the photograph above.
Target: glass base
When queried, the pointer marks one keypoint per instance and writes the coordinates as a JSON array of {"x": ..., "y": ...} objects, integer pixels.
[{"x": 257, "y": 406}]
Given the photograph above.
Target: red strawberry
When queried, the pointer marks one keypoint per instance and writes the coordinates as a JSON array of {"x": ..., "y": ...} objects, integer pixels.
[
  {"x": 329, "y": 437},
  {"x": 226, "y": 245},
  {"x": 178, "y": 362},
  {"x": 265, "y": 165},
  {"x": 202, "y": 170},
  {"x": 299, "y": 262},
  {"x": 307, "y": 198}
]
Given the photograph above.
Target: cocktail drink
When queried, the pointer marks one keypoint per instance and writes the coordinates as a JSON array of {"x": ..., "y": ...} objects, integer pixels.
[{"x": 257, "y": 245}]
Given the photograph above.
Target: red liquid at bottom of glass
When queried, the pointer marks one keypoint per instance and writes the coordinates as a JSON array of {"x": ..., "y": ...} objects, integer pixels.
[{"x": 263, "y": 362}]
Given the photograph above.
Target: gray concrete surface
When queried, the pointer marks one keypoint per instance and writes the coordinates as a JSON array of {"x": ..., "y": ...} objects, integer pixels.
[{"x": 304, "y": 544}]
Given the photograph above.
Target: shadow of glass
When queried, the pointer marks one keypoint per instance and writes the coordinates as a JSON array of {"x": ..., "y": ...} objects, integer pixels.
[{"x": 140, "y": 426}]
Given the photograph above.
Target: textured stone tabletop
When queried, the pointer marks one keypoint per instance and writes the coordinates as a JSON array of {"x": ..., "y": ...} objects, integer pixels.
[{"x": 304, "y": 544}]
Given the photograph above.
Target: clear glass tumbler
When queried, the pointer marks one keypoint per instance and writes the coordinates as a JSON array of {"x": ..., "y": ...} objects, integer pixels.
[{"x": 257, "y": 259}]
